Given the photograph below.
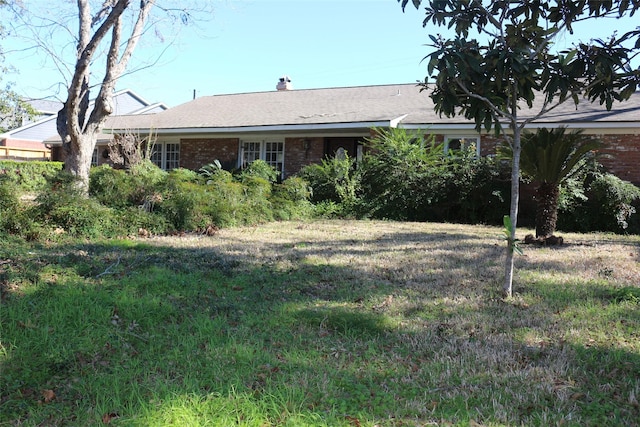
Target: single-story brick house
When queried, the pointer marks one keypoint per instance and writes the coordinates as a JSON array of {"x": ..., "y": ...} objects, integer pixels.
[{"x": 292, "y": 128}]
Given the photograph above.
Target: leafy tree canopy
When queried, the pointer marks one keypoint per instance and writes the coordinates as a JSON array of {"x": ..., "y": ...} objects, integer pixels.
[{"x": 486, "y": 81}]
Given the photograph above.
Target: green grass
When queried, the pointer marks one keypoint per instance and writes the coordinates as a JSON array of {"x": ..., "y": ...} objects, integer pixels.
[{"x": 333, "y": 323}]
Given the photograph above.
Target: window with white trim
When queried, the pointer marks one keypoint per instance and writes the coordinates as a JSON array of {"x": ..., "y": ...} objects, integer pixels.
[
  {"x": 94, "y": 157},
  {"x": 166, "y": 155},
  {"x": 172, "y": 156},
  {"x": 274, "y": 155},
  {"x": 462, "y": 143},
  {"x": 250, "y": 152},
  {"x": 271, "y": 152}
]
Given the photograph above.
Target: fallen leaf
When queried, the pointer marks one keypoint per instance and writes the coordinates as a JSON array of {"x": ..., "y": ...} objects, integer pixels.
[
  {"x": 26, "y": 325},
  {"x": 353, "y": 421},
  {"x": 108, "y": 417},
  {"x": 48, "y": 396}
]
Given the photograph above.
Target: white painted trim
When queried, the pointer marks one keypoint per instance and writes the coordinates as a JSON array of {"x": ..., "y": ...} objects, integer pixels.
[
  {"x": 264, "y": 128},
  {"x": 300, "y": 129},
  {"x": 570, "y": 125},
  {"x": 395, "y": 122}
]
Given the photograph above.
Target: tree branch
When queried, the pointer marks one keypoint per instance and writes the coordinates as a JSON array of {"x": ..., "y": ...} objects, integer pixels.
[
  {"x": 78, "y": 89},
  {"x": 116, "y": 64}
]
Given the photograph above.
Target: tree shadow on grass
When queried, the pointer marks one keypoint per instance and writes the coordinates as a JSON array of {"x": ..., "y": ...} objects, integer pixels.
[{"x": 126, "y": 329}]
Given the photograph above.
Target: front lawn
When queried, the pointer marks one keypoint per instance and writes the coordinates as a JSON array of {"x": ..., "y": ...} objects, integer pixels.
[{"x": 331, "y": 323}]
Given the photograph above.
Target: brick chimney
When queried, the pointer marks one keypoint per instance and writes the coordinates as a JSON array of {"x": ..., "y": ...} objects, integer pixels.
[{"x": 284, "y": 83}]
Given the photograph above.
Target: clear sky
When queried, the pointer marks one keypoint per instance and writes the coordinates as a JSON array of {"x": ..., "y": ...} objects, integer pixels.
[{"x": 248, "y": 44}]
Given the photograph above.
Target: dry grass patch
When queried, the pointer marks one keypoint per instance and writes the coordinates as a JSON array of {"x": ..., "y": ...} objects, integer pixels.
[{"x": 325, "y": 323}]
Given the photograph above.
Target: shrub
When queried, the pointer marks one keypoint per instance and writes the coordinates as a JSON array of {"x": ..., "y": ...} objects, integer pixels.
[
  {"x": 29, "y": 176},
  {"x": 599, "y": 201},
  {"x": 395, "y": 170},
  {"x": 329, "y": 210},
  {"x": 293, "y": 188},
  {"x": 335, "y": 179},
  {"x": 408, "y": 177},
  {"x": 261, "y": 169},
  {"x": 185, "y": 175},
  {"x": 477, "y": 190},
  {"x": 8, "y": 194},
  {"x": 132, "y": 220},
  {"x": 213, "y": 173},
  {"x": 256, "y": 187},
  {"x": 290, "y": 200},
  {"x": 147, "y": 181},
  {"x": 185, "y": 205},
  {"x": 14, "y": 218},
  {"x": 234, "y": 203},
  {"x": 226, "y": 203},
  {"x": 111, "y": 187},
  {"x": 62, "y": 205}
]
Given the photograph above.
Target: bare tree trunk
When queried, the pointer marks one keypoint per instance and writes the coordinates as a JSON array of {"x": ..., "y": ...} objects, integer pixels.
[
  {"x": 507, "y": 287},
  {"x": 77, "y": 126},
  {"x": 78, "y": 158}
]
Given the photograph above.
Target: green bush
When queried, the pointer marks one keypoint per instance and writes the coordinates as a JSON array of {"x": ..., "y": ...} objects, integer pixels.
[
  {"x": 111, "y": 187},
  {"x": 226, "y": 203},
  {"x": 293, "y": 188},
  {"x": 9, "y": 200},
  {"x": 185, "y": 205},
  {"x": 408, "y": 177},
  {"x": 185, "y": 175},
  {"x": 61, "y": 205},
  {"x": 132, "y": 220},
  {"x": 213, "y": 173},
  {"x": 234, "y": 203},
  {"x": 599, "y": 201},
  {"x": 328, "y": 210},
  {"x": 290, "y": 200},
  {"x": 14, "y": 216},
  {"x": 147, "y": 181},
  {"x": 29, "y": 176},
  {"x": 261, "y": 169},
  {"x": 256, "y": 187},
  {"x": 336, "y": 179}
]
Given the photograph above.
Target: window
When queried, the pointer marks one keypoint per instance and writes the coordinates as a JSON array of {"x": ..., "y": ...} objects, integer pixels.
[
  {"x": 172, "y": 156},
  {"x": 274, "y": 154},
  {"x": 462, "y": 143},
  {"x": 250, "y": 152},
  {"x": 94, "y": 157},
  {"x": 166, "y": 155},
  {"x": 271, "y": 152}
]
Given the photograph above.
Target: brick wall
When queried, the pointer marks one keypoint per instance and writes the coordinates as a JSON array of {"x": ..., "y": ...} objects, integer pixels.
[
  {"x": 197, "y": 152},
  {"x": 623, "y": 158},
  {"x": 299, "y": 152},
  {"x": 621, "y": 153},
  {"x": 624, "y": 151}
]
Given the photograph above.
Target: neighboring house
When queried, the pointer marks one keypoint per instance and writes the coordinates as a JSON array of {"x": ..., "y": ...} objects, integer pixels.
[
  {"x": 292, "y": 128},
  {"x": 39, "y": 140},
  {"x": 13, "y": 143}
]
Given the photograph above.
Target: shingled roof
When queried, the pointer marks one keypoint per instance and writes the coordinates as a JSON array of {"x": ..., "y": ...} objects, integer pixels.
[{"x": 350, "y": 107}]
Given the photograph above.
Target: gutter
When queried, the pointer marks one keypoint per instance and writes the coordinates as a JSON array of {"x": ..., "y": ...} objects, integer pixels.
[{"x": 263, "y": 128}]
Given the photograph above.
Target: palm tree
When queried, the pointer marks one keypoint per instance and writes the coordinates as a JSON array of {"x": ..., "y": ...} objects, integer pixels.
[{"x": 549, "y": 157}]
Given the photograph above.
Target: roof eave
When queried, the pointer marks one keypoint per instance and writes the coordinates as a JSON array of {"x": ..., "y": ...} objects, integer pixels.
[
  {"x": 260, "y": 129},
  {"x": 533, "y": 125}
]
